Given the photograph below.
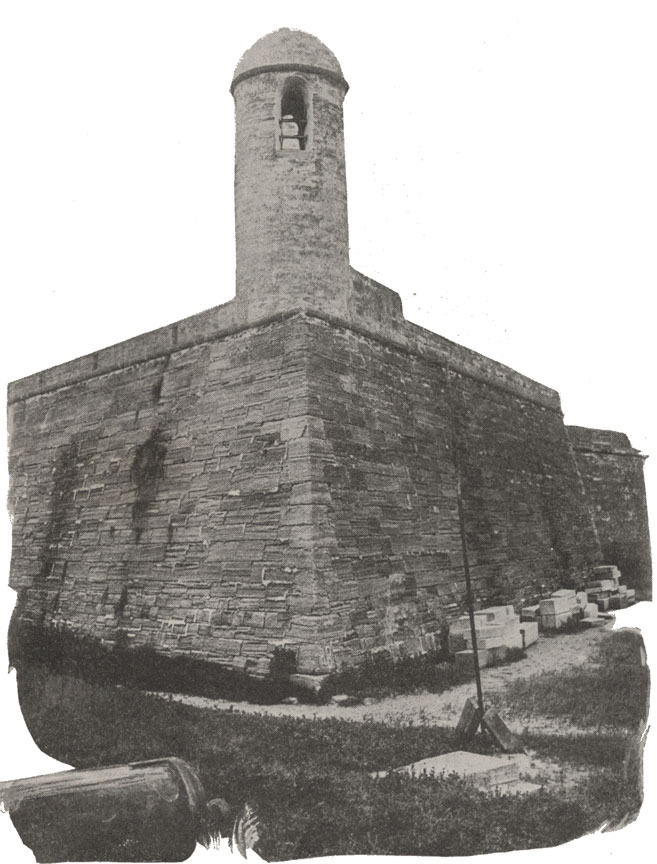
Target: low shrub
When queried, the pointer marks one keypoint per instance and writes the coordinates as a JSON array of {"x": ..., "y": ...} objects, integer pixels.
[
  {"x": 63, "y": 651},
  {"x": 512, "y": 655}
]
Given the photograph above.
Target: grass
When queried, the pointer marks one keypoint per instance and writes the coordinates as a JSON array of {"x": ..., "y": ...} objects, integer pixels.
[
  {"x": 610, "y": 691},
  {"x": 309, "y": 779},
  {"x": 66, "y": 652},
  {"x": 379, "y": 675}
]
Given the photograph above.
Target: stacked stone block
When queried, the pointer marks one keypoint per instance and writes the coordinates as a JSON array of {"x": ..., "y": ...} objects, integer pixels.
[
  {"x": 605, "y": 589},
  {"x": 497, "y": 628}
]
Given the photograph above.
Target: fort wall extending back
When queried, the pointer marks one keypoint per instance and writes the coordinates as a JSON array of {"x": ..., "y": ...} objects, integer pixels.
[{"x": 220, "y": 489}]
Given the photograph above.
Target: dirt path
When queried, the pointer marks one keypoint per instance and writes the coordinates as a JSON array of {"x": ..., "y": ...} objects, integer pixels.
[{"x": 441, "y": 709}]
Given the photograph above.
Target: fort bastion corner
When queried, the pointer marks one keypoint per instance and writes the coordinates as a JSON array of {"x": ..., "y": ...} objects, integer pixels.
[{"x": 282, "y": 470}]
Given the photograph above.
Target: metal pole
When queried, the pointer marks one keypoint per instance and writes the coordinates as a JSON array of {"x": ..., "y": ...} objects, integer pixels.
[
  {"x": 468, "y": 592},
  {"x": 464, "y": 543}
]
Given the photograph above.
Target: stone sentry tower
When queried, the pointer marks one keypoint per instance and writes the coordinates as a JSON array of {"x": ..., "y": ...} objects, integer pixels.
[
  {"x": 290, "y": 184},
  {"x": 282, "y": 470}
]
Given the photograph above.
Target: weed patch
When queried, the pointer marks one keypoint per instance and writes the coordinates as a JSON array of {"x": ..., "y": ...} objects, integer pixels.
[
  {"x": 381, "y": 675},
  {"x": 62, "y": 651},
  {"x": 611, "y": 690},
  {"x": 309, "y": 781}
]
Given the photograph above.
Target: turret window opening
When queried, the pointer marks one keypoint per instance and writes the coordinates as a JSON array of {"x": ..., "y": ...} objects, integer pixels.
[{"x": 293, "y": 124}]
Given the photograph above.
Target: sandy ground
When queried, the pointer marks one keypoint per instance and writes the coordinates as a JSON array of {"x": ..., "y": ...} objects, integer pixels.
[{"x": 441, "y": 709}]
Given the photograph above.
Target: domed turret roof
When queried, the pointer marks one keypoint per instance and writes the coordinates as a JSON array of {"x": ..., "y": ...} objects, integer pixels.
[{"x": 288, "y": 49}]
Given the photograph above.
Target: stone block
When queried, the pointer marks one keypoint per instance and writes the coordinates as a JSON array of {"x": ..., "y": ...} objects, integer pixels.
[
  {"x": 512, "y": 636},
  {"x": 622, "y": 589},
  {"x": 593, "y": 622},
  {"x": 461, "y": 624},
  {"x": 491, "y": 631},
  {"x": 596, "y": 595},
  {"x": 618, "y": 601},
  {"x": 498, "y": 654},
  {"x": 601, "y": 585},
  {"x": 484, "y": 643},
  {"x": 606, "y": 571},
  {"x": 529, "y": 633},
  {"x": 530, "y": 613},
  {"x": 465, "y": 661},
  {"x": 506, "y": 739},
  {"x": 591, "y": 610},
  {"x": 603, "y": 604},
  {"x": 556, "y": 622},
  {"x": 581, "y": 598},
  {"x": 241, "y": 664},
  {"x": 555, "y": 606},
  {"x": 500, "y": 614},
  {"x": 469, "y": 720},
  {"x": 565, "y": 592}
]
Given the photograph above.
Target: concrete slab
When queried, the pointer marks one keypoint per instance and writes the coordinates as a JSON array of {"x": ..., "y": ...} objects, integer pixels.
[
  {"x": 482, "y": 771},
  {"x": 520, "y": 787},
  {"x": 504, "y": 774}
]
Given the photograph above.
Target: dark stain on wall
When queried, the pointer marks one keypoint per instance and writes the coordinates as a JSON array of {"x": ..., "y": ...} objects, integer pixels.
[
  {"x": 146, "y": 470},
  {"x": 60, "y": 519}
]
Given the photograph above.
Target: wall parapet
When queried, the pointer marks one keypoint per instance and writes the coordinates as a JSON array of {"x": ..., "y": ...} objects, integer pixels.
[
  {"x": 602, "y": 441},
  {"x": 386, "y": 324}
]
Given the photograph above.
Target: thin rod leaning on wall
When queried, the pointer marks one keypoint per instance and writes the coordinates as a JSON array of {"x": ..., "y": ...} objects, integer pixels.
[{"x": 464, "y": 545}]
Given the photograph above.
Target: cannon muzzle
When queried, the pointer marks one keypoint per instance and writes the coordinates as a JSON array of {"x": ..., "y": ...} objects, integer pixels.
[{"x": 144, "y": 811}]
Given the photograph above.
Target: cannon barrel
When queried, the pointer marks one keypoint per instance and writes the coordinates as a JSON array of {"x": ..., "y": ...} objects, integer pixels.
[{"x": 143, "y": 811}]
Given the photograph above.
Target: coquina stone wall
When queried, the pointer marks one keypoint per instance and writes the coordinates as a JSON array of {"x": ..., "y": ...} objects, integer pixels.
[
  {"x": 220, "y": 489},
  {"x": 612, "y": 471},
  {"x": 283, "y": 470}
]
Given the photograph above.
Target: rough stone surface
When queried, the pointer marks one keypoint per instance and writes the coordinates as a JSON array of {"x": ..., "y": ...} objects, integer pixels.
[
  {"x": 612, "y": 472},
  {"x": 283, "y": 470},
  {"x": 303, "y": 494}
]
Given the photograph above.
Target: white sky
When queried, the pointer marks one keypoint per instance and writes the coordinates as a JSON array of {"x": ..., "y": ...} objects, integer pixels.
[{"x": 500, "y": 158}]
